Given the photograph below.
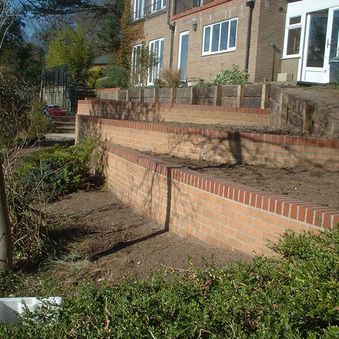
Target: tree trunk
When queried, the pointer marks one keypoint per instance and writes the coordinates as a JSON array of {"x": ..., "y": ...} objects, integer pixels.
[{"x": 5, "y": 231}]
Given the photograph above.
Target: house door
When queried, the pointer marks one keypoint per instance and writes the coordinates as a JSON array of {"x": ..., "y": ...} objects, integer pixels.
[
  {"x": 321, "y": 44},
  {"x": 183, "y": 55}
]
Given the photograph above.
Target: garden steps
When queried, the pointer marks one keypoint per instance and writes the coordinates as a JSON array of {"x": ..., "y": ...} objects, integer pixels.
[{"x": 64, "y": 124}]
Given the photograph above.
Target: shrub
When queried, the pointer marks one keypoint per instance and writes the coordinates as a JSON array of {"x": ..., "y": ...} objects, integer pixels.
[
  {"x": 116, "y": 76},
  {"x": 39, "y": 124},
  {"x": 58, "y": 171},
  {"x": 232, "y": 76},
  {"x": 94, "y": 74},
  {"x": 36, "y": 179},
  {"x": 15, "y": 98},
  {"x": 292, "y": 297},
  {"x": 172, "y": 78}
]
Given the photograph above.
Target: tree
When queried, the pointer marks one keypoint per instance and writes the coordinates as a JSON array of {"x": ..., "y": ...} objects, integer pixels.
[
  {"x": 5, "y": 231},
  {"x": 71, "y": 47},
  {"x": 7, "y": 17},
  {"x": 61, "y": 7}
]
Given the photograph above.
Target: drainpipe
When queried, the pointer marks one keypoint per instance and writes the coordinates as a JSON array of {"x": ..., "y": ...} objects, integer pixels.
[
  {"x": 171, "y": 26},
  {"x": 250, "y": 4}
]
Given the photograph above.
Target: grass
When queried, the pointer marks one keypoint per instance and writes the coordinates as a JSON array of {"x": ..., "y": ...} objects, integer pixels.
[{"x": 295, "y": 296}]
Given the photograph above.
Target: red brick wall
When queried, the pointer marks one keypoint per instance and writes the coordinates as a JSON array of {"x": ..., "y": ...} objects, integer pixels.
[
  {"x": 221, "y": 213},
  {"x": 218, "y": 146},
  {"x": 200, "y": 114}
]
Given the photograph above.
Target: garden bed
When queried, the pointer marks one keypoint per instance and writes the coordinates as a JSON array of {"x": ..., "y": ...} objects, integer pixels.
[
  {"x": 314, "y": 185},
  {"x": 110, "y": 241}
]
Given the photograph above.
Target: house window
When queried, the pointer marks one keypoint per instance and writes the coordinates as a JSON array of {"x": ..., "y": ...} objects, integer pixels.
[
  {"x": 158, "y": 5},
  {"x": 293, "y": 33},
  {"x": 139, "y": 9},
  {"x": 156, "y": 51},
  {"x": 198, "y": 3},
  {"x": 136, "y": 72},
  {"x": 220, "y": 37}
]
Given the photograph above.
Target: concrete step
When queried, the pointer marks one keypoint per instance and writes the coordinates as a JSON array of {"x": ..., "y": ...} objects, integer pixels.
[
  {"x": 64, "y": 123},
  {"x": 65, "y": 128},
  {"x": 63, "y": 118}
]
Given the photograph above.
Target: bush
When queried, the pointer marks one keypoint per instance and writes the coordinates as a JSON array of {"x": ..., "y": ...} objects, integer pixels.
[
  {"x": 39, "y": 124},
  {"x": 116, "y": 76},
  {"x": 293, "y": 297},
  {"x": 94, "y": 74},
  {"x": 36, "y": 179},
  {"x": 232, "y": 76},
  {"x": 172, "y": 78},
  {"x": 21, "y": 114},
  {"x": 58, "y": 171},
  {"x": 15, "y": 98}
]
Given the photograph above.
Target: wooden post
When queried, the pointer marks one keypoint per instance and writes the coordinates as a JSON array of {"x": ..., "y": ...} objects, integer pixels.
[
  {"x": 128, "y": 95},
  {"x": 193, "y": 95},
  {"x": 265, "y": 95},
  {"x": 283, "y": 110},
  {"x": 141, "y": 96},
  {"x": 217, "y": 96},
  {"x": 173, "y": 95},
  {"x": 308, "y": 111},
  {"x": 5, "y": 231},
  {"x": 156, "y": 95},
  {"x": 240, "y": 95}
]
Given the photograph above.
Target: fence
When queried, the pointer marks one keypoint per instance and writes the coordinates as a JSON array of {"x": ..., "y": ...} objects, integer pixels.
[{"x": 254, "y": 96}]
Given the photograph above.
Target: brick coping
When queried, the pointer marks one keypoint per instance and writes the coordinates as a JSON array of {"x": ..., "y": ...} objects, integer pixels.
[
  {"x": 248, "y": 110},
  {"x": 282, "y": 140},
  {"x": 308, "y": 213}
]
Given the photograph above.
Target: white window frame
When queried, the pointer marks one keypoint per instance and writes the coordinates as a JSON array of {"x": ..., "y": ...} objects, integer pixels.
[
  {"x": 229, "y": 49},
  {"x": 141, "y": 9},
  {"x": 156, "y": 70},
  {"x": 179, "y": 52},
  {"x": 289, "y": 27},
  {"x": 163, "y": 4},
  {"x": 134, "y": 63}
]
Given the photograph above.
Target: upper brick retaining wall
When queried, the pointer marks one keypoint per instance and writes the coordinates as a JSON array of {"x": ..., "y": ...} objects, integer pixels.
[
  {"x": 202, "y": 114},
  {"x": 213, "y": 145},
  {"x": 219, "y": 212}
]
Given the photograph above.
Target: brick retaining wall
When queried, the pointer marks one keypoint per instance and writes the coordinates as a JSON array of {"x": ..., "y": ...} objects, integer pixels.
[
  {"x": 213, "y": 145},
  {"x": 201, "y": 114},
  {"x": 219, "y": 212}
]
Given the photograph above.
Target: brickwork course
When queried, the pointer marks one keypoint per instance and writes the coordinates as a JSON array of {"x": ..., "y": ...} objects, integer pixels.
[{"x": 220, "y": 213}]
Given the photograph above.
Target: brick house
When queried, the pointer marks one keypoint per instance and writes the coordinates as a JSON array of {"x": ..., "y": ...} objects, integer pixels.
[
  {"x": 202, "y": 37},
  {"x": 311, "y": 40}
]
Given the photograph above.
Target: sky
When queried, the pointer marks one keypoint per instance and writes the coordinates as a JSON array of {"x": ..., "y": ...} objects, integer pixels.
[{"x": 30, "y": 23}]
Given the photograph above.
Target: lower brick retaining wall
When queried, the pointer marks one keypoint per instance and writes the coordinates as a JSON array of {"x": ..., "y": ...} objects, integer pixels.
[
  {"x": 201, "y": 114},
  {"x": 221, "y": 213},
  {"x": 213, "y": 145}
]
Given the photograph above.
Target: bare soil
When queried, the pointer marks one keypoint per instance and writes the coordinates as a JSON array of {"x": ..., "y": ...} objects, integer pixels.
[
  {"x": 235, "y": 128},
  {"x": 106, "y": 241},
  {"x": 310, "y": 185}
]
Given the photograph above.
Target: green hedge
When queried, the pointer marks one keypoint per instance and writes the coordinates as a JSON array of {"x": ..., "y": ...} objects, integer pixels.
[
  {"x": 116, "y": 76},
  {"x": 293, "y": 297}
]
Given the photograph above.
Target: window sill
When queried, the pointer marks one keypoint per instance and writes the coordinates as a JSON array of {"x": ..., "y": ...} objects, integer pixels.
[
  {"x": 156, "y": 13},
  {"x": 219, "y": 52},
  {"x": 294, "y": 56},
  {"x": 139, "y": 19}
]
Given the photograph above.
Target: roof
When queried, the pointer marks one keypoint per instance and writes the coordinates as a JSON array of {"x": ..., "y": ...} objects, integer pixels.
[{"x": 103, "y": 59}]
